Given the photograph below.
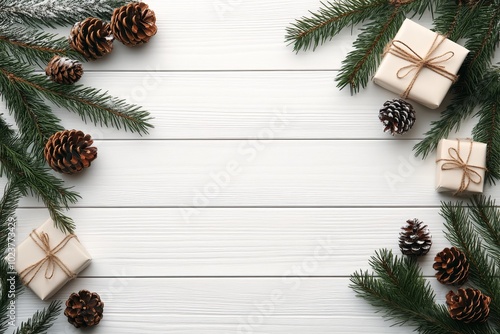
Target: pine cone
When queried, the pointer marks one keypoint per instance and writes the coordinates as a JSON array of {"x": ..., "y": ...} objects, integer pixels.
[
  {"x": 84, "y": 309},
  {"x": 452, "y": 266},
  {"x": 468, "y": 305},
  {"x": 398, "y": 116},
  {"x": 92, "y": 38},
  {"x": 69, "y": 151},
  {"x": 133, "y": 24},
  {"x": 64, "y": 70},
  {"x": 415, "y": 239}
]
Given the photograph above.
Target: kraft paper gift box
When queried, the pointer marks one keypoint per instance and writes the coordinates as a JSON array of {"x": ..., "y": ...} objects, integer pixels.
[
  {"x": 399, "y": 69},
  {"x": 49, "y": 258},
  {"x": 460, "y": 166}
]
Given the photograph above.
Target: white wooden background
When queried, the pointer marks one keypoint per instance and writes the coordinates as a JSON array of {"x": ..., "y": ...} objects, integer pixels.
[{"x": 314, "y": 186}]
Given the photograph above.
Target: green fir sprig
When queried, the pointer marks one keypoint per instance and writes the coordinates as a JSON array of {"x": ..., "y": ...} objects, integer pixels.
[
  {"x": 41, "y": 321},
  {"x": 474, "y": 22},
  {"x": 398, "y": 288}
]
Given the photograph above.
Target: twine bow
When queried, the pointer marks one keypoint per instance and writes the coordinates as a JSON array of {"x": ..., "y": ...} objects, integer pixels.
[
  {"x": 403, "y": 51},
  {"x": 456, "y": 162},
  {"x": 42, "y": 240}
]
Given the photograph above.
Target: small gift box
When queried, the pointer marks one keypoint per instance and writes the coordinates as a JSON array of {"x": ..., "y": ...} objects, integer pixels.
[
  {"x": 420, "y": 64},
  {"x": 49, "y": 258},
  {"x": 461, "y": 165}
]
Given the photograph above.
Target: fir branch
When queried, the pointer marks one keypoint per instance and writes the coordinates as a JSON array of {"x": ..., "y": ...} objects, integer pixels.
[
  {"x": 482, "y": 42},
  {"x": 461, "y": 107},
  {"x": 8, "y": 205},
  {"x": 41, "y": 321},
  {"x": 33, "y": 178},
  {"x": 34, "y": 118},
  {"x": 484, "y": 272},
  {"x": 405, "y": 297},
  {"x": 486, "y": 217},
  {"x": 362, "y": 62},
  {"x": 310, "y": 32},
  {"x": 33, "y": 46},
  {"x": 487, "y": 130},
  {"x": 100, "y": 108},
  {"x": 52, "y": 13}
]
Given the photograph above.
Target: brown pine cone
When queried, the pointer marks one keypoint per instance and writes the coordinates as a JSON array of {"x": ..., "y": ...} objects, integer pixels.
[
  {"x": 415, "y": 238},
  {"x": 84, "y": 309},
  {"x": 92, "y": 38},
  {"x": 64, "y": 70},
  {"x": 69, "y": 151},
  {"x": 452, "y": 266},
  {"x": 133, "y": 24},
  {"x": 468, "y": 305}
]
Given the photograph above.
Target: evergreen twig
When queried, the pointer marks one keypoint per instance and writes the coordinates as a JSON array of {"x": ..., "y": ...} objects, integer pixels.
[
  {"x": 398, "y": 288},
  {"x": 92, "y": 104},
  {"x": 41, "y": 321},
  {"x": 8, "y": 205},
  {"x": 362, "y": 62},
  {"x": 33, "y": 46},
  {"x": 52, "y": 13},
  {"x": 484, "y": 271},
  {"x": 404, "y": 296},
  {"x": 476, "y": 22},
  {"x": 33, "y": 178}
]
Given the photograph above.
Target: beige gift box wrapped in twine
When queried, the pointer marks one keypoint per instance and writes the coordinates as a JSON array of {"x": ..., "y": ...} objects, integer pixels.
[
  {"x": 49, "y": 258},
  {"x": 420, "y": 64},
  {"x": 460, "y": 166}
]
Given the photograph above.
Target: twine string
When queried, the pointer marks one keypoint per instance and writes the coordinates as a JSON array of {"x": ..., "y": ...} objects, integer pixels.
[
  {"x": 42, "y": 240},
  {"x": 469, "y": 175},
  {"x": 417, "y": 63}
]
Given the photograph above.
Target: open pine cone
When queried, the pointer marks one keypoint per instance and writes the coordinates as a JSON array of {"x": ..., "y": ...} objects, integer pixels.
[
  {"x": 69, "y": 151},
  {"x": 64, "y": 70},
  {"x": 133, "y": 24},
  {"x": 84, "y": 309},
  {"x": 452, "y": 266},
  {"x": 397, "y": 116},
  {"x": 468, "y": 305},
  {"x": 92, "y": 38},
  {"x": 415, "y": 238}
]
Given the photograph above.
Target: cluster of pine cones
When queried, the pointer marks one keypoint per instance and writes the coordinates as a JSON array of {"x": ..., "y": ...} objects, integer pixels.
[
  {"x": 132, "y": 24},
  {"x": 71, "y": 151},
  {"x": 452, "y": 267}
]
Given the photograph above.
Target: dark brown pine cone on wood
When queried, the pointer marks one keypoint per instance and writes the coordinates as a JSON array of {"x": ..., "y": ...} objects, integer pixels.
[
  {"x": 84, "y": 309},
  {"x": 92, "y": 38},
  {"x": 452, "y": 266},
  {"x": 397, "y": 116},
  {"x": 133, "y": 24},
  {"x": 69, "y": 151},
  {"x": 468, "y": 305}
]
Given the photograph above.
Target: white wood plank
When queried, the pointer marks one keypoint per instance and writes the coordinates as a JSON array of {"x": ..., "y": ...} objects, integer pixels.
[
  {"x": 249, "y": 35},
  {"x": 226, "y": 306},
  {"x": 256, "y": 173},
  {"x": 235, "y": 105},
  {"x": 238, "y": 242}
]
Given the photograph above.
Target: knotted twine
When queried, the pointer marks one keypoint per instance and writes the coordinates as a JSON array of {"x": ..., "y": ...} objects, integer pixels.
[
  {"x": 456, "y": 162},
  {"x": 403, "y": 51},
  {"x": 42, "y": 240}
]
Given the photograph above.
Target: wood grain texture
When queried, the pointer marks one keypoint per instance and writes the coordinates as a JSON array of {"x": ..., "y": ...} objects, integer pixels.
[
  {"x": 180, "y": 173},
  {"x": 226, "y": 306},
  {"x": 238, "y": 242},
  {"x": 240, "y": 105},
  {"x": 196, "y": 227}
]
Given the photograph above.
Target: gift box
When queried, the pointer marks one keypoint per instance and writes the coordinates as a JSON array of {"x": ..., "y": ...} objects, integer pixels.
[
  {"x": 460, "y": 166},
  {"x": 420, "y": 65},
  {"x": 49, "y": 258}
]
